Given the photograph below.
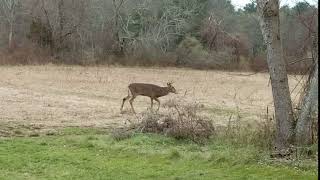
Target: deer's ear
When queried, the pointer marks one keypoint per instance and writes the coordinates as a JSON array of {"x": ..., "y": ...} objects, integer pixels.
[{"x": 169, "y": 83}]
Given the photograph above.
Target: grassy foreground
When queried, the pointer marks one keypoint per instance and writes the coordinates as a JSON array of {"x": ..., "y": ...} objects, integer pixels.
[{"x": 86, "y": 154}]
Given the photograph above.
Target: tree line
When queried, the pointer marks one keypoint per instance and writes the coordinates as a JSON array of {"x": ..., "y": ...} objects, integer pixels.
[{"x": 199, "y": 33}]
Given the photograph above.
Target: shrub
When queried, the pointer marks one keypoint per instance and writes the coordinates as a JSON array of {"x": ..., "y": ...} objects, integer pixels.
[
  {"x": 190, "y": 52},
  {"x": 30, "y": 54},
  {"x": 181, "y": 121}
]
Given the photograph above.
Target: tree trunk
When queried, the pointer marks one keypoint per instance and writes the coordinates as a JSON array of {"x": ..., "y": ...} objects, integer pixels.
[
  {"x": 61, "y": 25},
  {"x": 118, "y": 46},
  {"x": 270, "y": 26},
  {"x": 309, "y": 103},
  {"x": 10, "y": 43},
  {"x": 11, "y": 24}
]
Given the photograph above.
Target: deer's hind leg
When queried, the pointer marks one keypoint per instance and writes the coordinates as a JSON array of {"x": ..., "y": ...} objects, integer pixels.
[
  {"x": 151, "y": 104},
  {"x": 124, "y": 100},
  {"x": 131, "y": 103}
]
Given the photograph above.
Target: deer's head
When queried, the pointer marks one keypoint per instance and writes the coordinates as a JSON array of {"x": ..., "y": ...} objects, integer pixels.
[{"x": 171, "y": 88}]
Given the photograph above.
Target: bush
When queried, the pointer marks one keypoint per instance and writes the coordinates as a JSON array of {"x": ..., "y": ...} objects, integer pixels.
[
  {"x": 181, "y": 122},
  {"x": 30, "y": 54},
  {"x": 190, "y": 52}
]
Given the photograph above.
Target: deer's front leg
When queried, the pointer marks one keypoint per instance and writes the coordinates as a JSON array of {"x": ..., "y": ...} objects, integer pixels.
[
  {"x": 158, "y": 103},
  {"x": 151, "y": 103}
]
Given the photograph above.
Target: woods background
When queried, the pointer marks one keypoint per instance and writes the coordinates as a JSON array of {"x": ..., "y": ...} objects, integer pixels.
[{"x": 210, "y": 34}]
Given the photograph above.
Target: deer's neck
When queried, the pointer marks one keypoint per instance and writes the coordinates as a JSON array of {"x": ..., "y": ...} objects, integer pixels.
[{"x": 164, "y": 91}]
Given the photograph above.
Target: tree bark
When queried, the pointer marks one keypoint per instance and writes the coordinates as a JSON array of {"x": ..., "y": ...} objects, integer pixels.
[
  {"x": 270, "y": 26},
  {"x": 309, "y": 103},
  {"x": 10, "y": 42},
  {"x": 11, "y": 24},
  {"x": 118, "y": 46},
  {"x": 61, "y": 15}
]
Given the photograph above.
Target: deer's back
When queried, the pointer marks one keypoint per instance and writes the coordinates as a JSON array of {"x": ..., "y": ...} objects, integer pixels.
[{"x": 144, "y": 89}]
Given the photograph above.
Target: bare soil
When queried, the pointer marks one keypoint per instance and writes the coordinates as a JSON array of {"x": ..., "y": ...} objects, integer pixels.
[{"x": 49, "y": 97}]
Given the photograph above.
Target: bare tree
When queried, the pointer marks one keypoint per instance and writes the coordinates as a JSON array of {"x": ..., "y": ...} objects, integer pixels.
[
  {"x": 8, "y": 8},
  {"x": 158, "y": 25},
  {"x": 61, "y": 19},
  {"x": 117, "y": 5},
  {"x": 310, "y": 93},
  {"x": 309, "y": 101},
  {"x": 268, "y": 11}
]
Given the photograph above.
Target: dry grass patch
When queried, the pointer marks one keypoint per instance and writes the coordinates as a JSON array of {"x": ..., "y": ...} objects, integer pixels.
[
  {"x": 180, "y": 120},
  {"x": 69, "y": 96}
]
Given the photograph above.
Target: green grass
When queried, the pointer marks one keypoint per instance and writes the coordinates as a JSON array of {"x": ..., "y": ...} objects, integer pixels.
[{"x": 88, "y": 154}]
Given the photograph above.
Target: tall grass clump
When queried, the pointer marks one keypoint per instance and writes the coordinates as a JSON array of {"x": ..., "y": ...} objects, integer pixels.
[
  {"x": 259, "y": 134},
  {"x": 180, "y": 121},
  {"x": 183, "y": 120}
]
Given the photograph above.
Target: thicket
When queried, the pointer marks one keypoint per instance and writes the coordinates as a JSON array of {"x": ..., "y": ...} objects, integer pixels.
[
  {"x": 184, "y": 120},
  {"x": 199, "y": 34}
]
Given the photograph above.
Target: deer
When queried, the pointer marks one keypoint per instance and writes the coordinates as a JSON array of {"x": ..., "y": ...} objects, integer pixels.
[{"x": 150, "y": 90}]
